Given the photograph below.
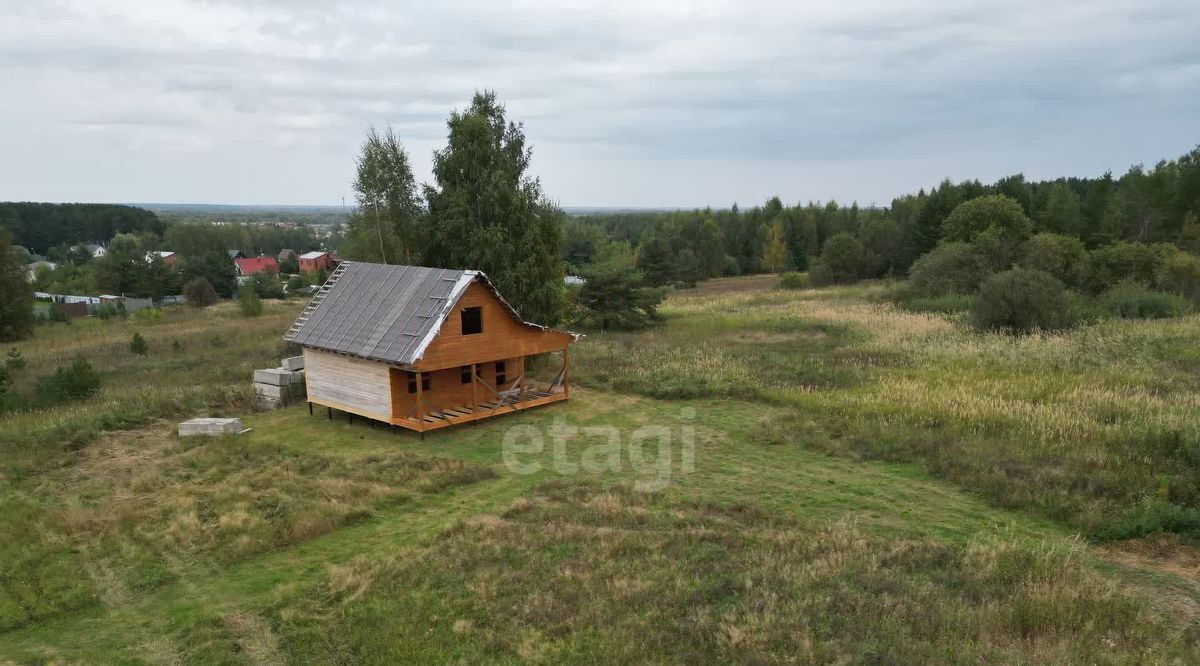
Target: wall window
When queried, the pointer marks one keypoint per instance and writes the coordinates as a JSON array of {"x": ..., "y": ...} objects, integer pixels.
[
  {"x": 500, "y": 378},
  {"x": 472, "y": 321},
  {"x": 466, "y": 374},
  {"x": 412, "y": 382}
]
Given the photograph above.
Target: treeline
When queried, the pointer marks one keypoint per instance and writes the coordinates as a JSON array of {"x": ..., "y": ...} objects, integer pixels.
[
  {"x": 1159, "y": 205},
  {"x": 41, "y": 226},
  {"x": 686, "y": 246},
  {"x": 194, "y": 238}
]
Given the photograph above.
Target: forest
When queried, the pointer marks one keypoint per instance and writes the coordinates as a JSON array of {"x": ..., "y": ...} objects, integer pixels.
[{"x": 42, "y": 226}]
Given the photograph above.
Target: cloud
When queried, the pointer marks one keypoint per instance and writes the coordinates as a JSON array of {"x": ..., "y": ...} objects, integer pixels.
[{"x": 627, "y": 101}]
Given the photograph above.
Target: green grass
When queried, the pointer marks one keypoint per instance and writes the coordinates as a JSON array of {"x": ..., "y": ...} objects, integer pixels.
[
  {"x": 1086, "y": 427},
  {"x": 815, "y": 522}
]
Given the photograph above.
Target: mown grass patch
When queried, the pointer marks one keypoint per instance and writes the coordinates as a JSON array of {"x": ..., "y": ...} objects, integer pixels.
[
  {"x": 142, "y": 509},
  {"x": 578, "y": 569}
]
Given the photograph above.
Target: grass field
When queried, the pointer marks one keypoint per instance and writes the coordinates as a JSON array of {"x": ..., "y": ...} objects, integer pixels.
[{"x": 844, "y": 481}]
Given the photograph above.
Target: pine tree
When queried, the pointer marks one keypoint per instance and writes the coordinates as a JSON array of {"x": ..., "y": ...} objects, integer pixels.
[
  {"x": 16, "y": 294},
  {"x": 486, "y": 213},
  {"x": 138, "y": 345},
  {"x": 656, "y": 261}
]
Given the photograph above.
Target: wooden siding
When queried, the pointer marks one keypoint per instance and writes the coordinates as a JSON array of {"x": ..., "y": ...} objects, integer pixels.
[
  {"x": 348, "y": 384},
  {"x": 503, "y": 337}
]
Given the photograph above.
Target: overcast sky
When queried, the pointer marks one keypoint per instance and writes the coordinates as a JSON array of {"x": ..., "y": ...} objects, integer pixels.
[{"x": 642, "y": 103}]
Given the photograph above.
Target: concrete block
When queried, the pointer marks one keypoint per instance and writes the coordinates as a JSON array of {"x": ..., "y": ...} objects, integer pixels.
[
  {"x": 284, "y": 393},
  {"x": 293, "y": 363},
  {"x": 268, "y": 404},
  {"x": 278, "y": 377},
  {"x": 210, "y": 427}
]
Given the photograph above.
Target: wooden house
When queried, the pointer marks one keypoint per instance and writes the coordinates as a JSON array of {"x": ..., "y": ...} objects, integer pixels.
[{"x": 422, "y": 348}]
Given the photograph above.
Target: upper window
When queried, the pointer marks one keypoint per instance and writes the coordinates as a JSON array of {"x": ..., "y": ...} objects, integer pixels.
[{"x": 472, "y": 321}]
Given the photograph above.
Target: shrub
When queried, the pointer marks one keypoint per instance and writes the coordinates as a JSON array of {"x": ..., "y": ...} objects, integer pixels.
[
  {"x": 794, "y": 281},
  {"x": 267, "y": 285},
  {"x": 1086, "y": 309},
  {"x": 1137, "y": 262},
  {"x": 1180, "y": 274},
  {"x": 1132, "y": 300},
  {"x": 74, "y": 382},
  {"x": 1153, "y": 516},
  {"x": 1021, "y": 300},
  {"x": 199, "y": 292},
  {"x": 296, "y": 283},
  {"x": 148, "y": 315},
  {"x": 996, "y": 214},
  {"x": 950, "y": 268},
  {"x": 138, "y": 345},
  {"x": 108, "y": 311},
  {"x": 249, "y": 302},
  {"x": 8, "y": 370},
  {"x": 841, "y": 261},
  {"x": 1064, "y": 257},
  {"x": 13, "y": 360}
]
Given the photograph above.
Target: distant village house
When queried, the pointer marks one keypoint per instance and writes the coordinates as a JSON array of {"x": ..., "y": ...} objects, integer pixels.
[
  {"x": 92, "y": 249},
  {"x": 167, "y": 257},
  {"x": 247, "y": 267},
  {"x": 312, "y": 262}
]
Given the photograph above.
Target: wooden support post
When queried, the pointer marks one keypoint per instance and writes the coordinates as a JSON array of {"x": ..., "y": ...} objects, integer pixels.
[
  {"x": 521, "y": 390},
  {"x": 349, "y": 417},
  {"x": 566, "y": 374},
  {"x": 474, "y": 388},
  {"x": 310, "y": 408},
  {"x": 330, "y": 412},
  {"x": 420, "y": 395}
]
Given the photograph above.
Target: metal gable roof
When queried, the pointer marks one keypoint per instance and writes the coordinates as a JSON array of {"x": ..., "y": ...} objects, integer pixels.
[{"x": 381, "y": 312}]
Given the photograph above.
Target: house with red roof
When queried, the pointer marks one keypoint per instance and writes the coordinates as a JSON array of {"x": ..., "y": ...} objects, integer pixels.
[{"x": 254, "y": 265}]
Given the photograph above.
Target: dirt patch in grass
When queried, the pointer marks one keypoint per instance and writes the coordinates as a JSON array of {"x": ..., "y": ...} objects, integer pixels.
[{"x": 1165, "y": 552}]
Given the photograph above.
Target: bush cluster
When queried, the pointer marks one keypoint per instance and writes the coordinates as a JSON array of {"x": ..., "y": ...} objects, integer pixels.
[
  {"x": 1133, "y": 300},
  {"x": 248, "y": 301},
  {"x": 794, "y": 280},
  {"x": 74, "y": 382},
  {"x": 1123, "y": 279},
  {"x": 1021, "y": 301}
]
